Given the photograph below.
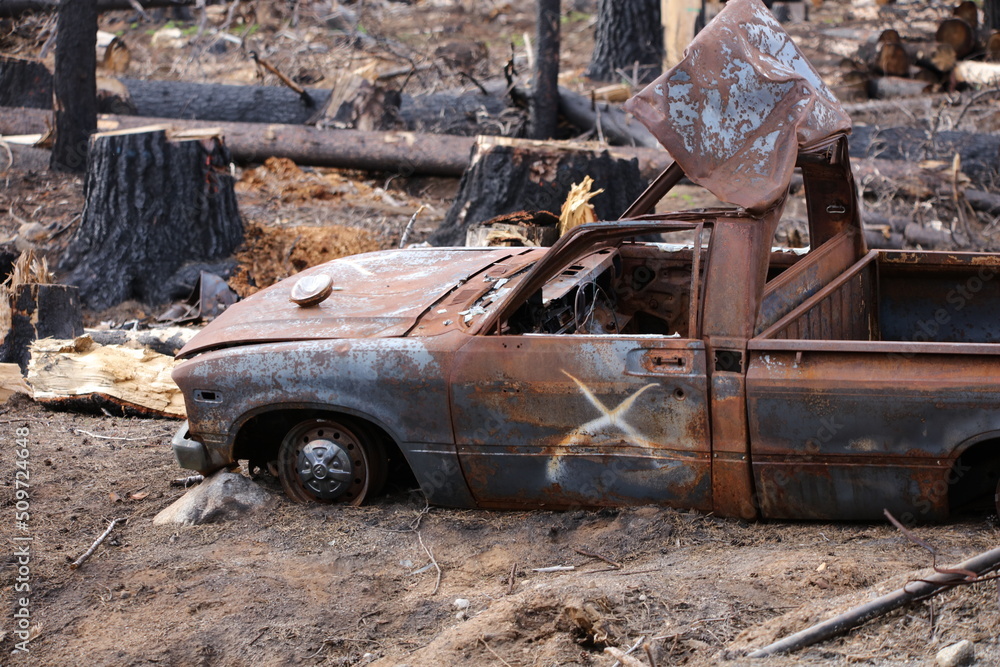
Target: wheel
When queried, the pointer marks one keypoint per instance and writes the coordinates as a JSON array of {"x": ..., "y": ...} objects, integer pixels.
[{"x": 325, "y": 461}]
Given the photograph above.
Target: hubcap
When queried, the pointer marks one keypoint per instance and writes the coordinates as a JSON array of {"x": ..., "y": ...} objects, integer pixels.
[{"x": 325, "y": 467}]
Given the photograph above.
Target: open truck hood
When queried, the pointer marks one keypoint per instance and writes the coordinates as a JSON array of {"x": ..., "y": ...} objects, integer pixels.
[
  {"x": 376, "y": 295},
  {"x": 735, "y": 112}
]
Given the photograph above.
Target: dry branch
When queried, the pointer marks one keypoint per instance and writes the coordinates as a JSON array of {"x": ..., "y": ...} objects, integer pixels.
[
  {"x": 93, "y": 547},
  {"x": 911, "y": 592}
]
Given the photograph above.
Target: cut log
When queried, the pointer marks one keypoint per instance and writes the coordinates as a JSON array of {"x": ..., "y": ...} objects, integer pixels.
[
  {"x": 891, "y": 59},
  {"x": 993, "y": 47},
  {"x": 504, "y": 177},
  {"x": 14, "y": 8},
  {"x": 25, "y": 83},
  {"x": 958, "y": 34},
  {"x": 887, "y": 87},
  {"x": 154, "y": 203},
  {"x": 975, "y": 73},
  {"x": 968, "y": 12},
  {"x": 80, "y": 375},
  {"x": 404, "y": 153}
]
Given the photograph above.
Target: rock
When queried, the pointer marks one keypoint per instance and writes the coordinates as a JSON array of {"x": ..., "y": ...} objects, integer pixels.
[
  {"x": 961, "y": 653},
  {"x": 221, "y": 496},
  {"x": 460, "y": 603}
]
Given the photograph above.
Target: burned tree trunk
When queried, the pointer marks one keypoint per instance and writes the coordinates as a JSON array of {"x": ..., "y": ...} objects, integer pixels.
[
  {"x": 75, "y": 83},
  {"x": 25, "y": 83},
  {"x": 153, "y": 204},
  {"x": 39, "y": 311},
  {"x": 545, "y": 97},
  {"x": 629, "y": 37},
  {"x": 991, "y": 12},
  {"x": 505, "y": 177}
]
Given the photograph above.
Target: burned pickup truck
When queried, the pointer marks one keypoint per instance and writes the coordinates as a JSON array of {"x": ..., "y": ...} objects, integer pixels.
[{"x": 701, "y": 370}]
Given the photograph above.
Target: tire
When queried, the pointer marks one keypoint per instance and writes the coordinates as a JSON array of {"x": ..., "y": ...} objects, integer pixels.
[{"x": 328, "y": 461}]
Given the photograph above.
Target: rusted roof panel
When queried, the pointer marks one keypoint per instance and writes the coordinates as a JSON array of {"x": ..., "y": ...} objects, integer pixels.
[{"x": 736, "y": 110}]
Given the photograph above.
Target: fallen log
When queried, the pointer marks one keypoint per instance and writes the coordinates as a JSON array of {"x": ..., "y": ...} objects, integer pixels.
[
  {"x": 911, "y": 592},
  {"x": 617, "y": 126},
  {"x": 976, "y": 73},
  {"x": 15, "y": 8},
  {"x": 405, "y": 153},
  {"x": 216, "y": 101}
]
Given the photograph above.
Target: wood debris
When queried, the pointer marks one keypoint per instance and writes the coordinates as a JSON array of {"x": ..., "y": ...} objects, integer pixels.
[{"x": 81, "y": 373}]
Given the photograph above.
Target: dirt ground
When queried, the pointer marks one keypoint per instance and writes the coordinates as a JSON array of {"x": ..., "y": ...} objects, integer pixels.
[{"x": 355, "y": 586}]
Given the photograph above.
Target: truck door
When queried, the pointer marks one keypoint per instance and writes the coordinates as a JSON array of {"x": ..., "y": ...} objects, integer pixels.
[{"x": 583, "y": 419}]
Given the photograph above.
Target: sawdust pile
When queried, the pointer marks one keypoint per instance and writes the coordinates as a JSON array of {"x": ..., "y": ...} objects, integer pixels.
[
  {"x": 282, "y": 180},
  {"x": 270, "y": 254}
]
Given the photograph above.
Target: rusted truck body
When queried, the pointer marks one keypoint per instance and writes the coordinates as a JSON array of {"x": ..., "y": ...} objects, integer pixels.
[{"x": 701, "y": 370}]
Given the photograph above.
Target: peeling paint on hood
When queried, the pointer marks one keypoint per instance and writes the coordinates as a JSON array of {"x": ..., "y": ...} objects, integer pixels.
[{"x": 735, "y": 111}]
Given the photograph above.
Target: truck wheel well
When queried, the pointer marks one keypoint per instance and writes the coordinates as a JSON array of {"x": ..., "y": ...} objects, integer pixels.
[
  {"x": 260, "y": 438},
  {"x": 972, "y": 481}
]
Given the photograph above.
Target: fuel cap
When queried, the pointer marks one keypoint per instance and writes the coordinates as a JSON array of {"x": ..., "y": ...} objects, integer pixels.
[{"x": 311, "y": 290}]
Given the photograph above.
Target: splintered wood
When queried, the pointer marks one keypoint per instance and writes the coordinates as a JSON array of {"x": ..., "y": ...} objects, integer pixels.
[{"x": 69, "y": 372}]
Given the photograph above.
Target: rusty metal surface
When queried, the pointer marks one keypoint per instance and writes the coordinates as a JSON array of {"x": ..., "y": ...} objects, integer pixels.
[
  {"x": 380, "y": 294},
  {"x": 735, "y": 112},
  {"x": 849, "y": 433}
]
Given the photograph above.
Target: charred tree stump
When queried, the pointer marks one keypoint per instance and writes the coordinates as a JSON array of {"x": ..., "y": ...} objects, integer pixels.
[
  {"x": 154, "y": 203},
  {"x": 39, "y": 311},
  {"x": 25, "y": 83},
  {"x": 545, "y": 94},
  {"x": 75, "y": 83},
  {"x": 504, "y": 178},
  {"x": 629, "y": 36}
]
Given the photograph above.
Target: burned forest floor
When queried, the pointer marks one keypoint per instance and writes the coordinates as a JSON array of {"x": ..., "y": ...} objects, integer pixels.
[{"x": 396, "y": 582}]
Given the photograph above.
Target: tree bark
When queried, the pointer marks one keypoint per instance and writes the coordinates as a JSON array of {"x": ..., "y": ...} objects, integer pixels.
[
  {"x": 75, "y": 83},
  {"x": 545, "y": 93},
  {"x": 505, "y": 177},
  {"x": 14, "y": 8},
  {"x": 403, "y": 153},
  {"x": 25, "y": 83},
  {"x": 153, "y": 204},
  {"x": 629, "y": 35},
  {"x": 991, "y": 12}
]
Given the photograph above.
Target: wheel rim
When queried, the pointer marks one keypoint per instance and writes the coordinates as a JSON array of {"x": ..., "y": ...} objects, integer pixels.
[{"x": 326, "y": 462}]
